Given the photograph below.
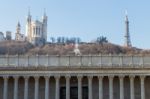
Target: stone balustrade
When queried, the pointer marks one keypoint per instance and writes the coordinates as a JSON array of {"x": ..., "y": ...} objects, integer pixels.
[{"x": 84, "y": 60}]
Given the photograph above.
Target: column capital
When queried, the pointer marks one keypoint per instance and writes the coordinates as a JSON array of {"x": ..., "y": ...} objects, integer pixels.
[
  {"x": 79, "y": 76},
  {"x": 100, "y": 77},
  {"x": 5, "y": 77},
  {"x": 36, "y": 78},
  {"x": 121, "y": 76},
  {"x": 110, "y": 76},
  {"x": 47, "y": 77},
  {"x": 16, "y": 77},
  {"x": 132, "y": 76},
  {"x": 90, "y": 77},
  {"x": 57, "y": 77},
  {"x": 26, "y": 77},
  {"x": 68, "y": 76},
  {"x": 142, "y": 77}
]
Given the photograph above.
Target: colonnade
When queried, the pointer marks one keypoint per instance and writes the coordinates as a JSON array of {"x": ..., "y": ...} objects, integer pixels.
[{"x": 79, "y": 78}]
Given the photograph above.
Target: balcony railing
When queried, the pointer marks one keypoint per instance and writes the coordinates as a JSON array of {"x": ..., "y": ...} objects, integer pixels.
[{"x": 84, "y": 60}]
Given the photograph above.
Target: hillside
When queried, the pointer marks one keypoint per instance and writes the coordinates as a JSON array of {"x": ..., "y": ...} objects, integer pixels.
[{"x": 14, "y": 47}]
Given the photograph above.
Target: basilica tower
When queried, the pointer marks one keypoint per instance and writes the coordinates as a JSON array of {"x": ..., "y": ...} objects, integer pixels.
[
  {"x": 28, "y": 26},
  {"x": 19, "y": 36},
  {"x": 44, "y": 20},
  {"x": 127, "y": 34},
  {"x": 18, "y": 28}
]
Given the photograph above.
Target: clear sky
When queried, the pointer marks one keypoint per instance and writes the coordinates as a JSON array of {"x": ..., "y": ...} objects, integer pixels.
[{"x": 83, "y": 18}]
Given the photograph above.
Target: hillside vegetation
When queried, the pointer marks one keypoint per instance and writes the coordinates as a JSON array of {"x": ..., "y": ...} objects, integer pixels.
[{"x": 15, "y": 47}]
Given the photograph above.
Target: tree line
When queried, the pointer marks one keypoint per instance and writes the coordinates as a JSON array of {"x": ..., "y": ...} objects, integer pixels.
[
  {"x": 73, "y": 40},
  {"x": 65, "y": 40}
]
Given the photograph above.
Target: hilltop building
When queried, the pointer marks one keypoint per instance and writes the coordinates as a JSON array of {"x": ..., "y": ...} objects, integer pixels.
[
  {"x": 2, "y": 38},
  {"x": 8, "y": 35},
  {"x": 19, "y": 36},
  {"x": 36, "y": 31}
]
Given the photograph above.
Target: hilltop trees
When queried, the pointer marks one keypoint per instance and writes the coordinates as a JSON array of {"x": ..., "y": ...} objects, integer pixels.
[
  {"x": 101, "y": 40},
  {"x": 65, "y": 40}
]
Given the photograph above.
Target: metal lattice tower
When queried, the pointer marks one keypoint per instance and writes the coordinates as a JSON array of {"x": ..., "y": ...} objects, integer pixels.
[{"x": 127, "y": 34}]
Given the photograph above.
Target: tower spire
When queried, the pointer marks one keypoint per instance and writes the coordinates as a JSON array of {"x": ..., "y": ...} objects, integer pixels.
[
  {"x": 28, "y": 11},
  {"x": 18, "y": 28},
  {"x": 29, "y": 16},
  {"x": 127, "y": 34},
  {"x": 44, "y": 12},
  {"x": 44, "y": 17}
]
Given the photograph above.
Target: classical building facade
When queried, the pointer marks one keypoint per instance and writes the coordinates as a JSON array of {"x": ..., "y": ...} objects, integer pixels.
[
  {"x": 36, "y": 31},
  {"x": 75, "y": 77}
]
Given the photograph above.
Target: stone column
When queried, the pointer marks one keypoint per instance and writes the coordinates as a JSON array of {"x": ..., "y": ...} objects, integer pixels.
[
  {"x": 5, "y": 87},
  {"x": 57, "y": 87},
  {"x": 121, "y": 79},
  {"x": 90, "y": 86},
  {"x": 131, "y": 87},
  {"x": 36, "y": 89},
  {"x": 26, "y": 78},
  {"x": 16, "y": 87},
  {"x": 79, "y": 87},
  {"x": 142, "y": 87},
  {"x": 100, "y": 79},
  {"x": 111, "y": 87},
  {"x": 67, "y": 87},
  {"x": 47, "y": 87}
]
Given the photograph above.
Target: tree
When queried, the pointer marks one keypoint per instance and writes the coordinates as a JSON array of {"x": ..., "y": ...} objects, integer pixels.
[
  {"x": 78, "y": 40},
  {"x": 52, "y": 40},
  {"x": 101, "y": 40},
  {"x": 59, "y": 40}
]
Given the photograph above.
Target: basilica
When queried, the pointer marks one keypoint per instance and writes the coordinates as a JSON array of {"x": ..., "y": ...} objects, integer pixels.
[{"x": 36, "y": 31}]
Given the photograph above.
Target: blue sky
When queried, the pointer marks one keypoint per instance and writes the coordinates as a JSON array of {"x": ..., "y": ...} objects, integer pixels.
[{"x": 83, "y": 18}]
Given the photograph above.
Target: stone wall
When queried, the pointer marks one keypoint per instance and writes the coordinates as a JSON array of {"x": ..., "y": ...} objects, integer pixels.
[{"x": 99, "y": 60}]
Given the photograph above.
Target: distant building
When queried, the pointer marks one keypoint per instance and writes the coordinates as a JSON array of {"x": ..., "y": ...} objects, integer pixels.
[
  {"x": 36, "y": 30},
  {"x": 2, "y": 36},
  {"x": 19, "y": 36},
  {"x": 8, "y": 35}
]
